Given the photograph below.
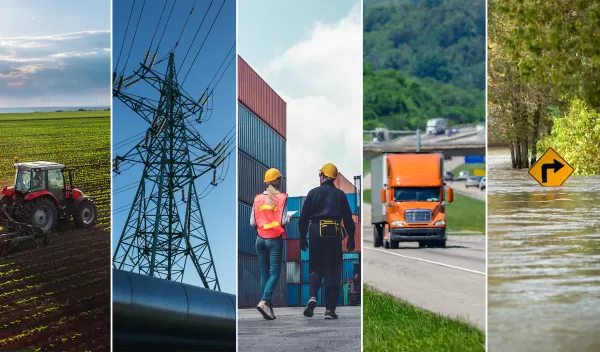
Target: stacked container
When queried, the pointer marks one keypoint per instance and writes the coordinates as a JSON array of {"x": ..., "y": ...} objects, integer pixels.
[
  {"x": 297, "y": 261},
  {"x": 261, "y": 145}
]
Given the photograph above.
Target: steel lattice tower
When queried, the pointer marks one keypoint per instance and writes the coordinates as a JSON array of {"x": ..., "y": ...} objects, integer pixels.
[{"x": 165, "y": 226}]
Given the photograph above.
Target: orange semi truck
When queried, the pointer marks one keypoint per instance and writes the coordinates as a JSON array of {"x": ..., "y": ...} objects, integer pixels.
[{"x": 411, "y": 204}]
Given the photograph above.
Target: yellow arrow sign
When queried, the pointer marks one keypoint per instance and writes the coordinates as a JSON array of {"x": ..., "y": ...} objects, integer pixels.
[{"x": 551, "y": 170}]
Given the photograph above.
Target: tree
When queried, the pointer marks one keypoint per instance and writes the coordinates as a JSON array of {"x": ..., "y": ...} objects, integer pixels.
[{"x": 555, "y": 43}]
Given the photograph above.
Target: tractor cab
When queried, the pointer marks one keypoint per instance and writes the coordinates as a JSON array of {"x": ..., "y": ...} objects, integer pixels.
[{"x": 41, "y": 176}]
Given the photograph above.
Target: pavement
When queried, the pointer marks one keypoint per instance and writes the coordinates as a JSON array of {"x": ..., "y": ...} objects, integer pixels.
[
  {"x": 449, "y": 281},
  {"x": 293, "y": 331}
]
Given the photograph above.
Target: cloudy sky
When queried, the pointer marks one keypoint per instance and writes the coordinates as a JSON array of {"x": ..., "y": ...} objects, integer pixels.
[
  {"x": 54, "y": 53},
  {"x": 310, "y": 52}
]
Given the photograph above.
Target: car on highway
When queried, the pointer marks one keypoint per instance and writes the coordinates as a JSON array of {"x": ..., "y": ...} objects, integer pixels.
[
  {"x": 473, "y": 181},
  {"x": 462, "y": 176},
  {"x": 448, "y": 176},
  {"x": 482, "y": 183}
]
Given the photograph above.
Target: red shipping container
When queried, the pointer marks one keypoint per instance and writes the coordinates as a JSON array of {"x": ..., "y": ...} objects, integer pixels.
[
  {"x": 344, "y": 184},
  {"x": 260, "y": 98},
  {"x": 292, "y": 250},
  {"x": 357, "y": 238}
]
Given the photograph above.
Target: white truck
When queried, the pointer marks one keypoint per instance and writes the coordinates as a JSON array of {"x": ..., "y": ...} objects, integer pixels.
[{"x": 436, "y": 126}]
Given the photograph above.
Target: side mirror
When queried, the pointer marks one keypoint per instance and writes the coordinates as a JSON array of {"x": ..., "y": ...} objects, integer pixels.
[
  {"x": 391, "y": 195},
  {"x": 450, "y": 195},
  {"x": 383, "y": 195}
]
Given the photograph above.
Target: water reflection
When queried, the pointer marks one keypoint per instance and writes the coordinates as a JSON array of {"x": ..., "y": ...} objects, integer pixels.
[{"x": 544, "y": 262}]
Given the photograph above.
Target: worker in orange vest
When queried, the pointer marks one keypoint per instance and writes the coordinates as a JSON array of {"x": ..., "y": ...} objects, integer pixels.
[
  {"x": 321, "y": 217},
  {"x": 269, "y": 216}
]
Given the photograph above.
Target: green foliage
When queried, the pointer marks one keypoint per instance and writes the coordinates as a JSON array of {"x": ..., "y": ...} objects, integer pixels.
[
  {"x": 576, "y": 137},
  {"x": 390, "y": 324},
  {"x": 556, "y": 42},
  {"x": 423, "y": 60}
]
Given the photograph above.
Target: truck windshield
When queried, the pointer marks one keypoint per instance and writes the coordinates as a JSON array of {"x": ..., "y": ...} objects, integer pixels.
[
  {"x": 417, "y": 194},
  {"x": 23, "y": 181}
]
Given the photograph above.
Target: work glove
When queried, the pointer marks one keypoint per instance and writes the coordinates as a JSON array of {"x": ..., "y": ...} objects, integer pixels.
[
  {"x": 350, "y": 245},
  {"x": 303, "y": 244}
]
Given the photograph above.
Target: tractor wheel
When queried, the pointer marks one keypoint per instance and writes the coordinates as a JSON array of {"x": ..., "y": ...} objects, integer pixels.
[
  {"x": 86, "y": 214},
  {"x": 41, "y": 213},
  {"x": 5, "y": 201}
]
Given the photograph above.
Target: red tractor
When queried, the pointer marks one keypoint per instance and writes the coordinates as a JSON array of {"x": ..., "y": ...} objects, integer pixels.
[{"x": 40, "y": 197}]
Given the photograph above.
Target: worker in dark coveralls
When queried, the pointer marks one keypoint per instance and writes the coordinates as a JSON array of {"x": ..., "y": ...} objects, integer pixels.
[{"x": 321, "y": 218}]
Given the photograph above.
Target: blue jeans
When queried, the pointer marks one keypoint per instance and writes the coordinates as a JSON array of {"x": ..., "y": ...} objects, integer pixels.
[{"x": 269, "y": 260}]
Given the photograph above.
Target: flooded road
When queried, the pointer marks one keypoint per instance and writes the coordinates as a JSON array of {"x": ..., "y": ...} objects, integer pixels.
[{"x": 544, "y": 261}]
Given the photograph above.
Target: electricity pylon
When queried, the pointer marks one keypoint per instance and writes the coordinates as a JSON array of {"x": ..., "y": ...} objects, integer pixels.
[{"x": 165, "y": 226}]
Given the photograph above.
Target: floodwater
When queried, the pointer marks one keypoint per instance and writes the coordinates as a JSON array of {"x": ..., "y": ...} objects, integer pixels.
[{"x": 544, "y": 262}]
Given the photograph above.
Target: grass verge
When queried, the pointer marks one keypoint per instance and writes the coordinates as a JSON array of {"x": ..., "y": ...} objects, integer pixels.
[
  {"x": 466, "y": 214},
  {"x": 390, "y": 324},
  {"x": 467, "y": 167},
  {"x": 366, "y": 166},
  {"x": 366, "y": 196}
]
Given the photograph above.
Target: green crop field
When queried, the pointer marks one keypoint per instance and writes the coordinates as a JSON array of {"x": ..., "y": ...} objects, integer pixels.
[{"x": 57, "y": 297}]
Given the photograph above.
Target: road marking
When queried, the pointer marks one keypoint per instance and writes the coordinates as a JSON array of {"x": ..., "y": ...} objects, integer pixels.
[{"x": 428, "y": 261}]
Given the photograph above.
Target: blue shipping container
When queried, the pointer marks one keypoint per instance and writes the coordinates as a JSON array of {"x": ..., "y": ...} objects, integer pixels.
[
  {"x": 474, "y": 159},
  {"x": 249, "y": 283},
  {"x": 291, "y": 228},
  {"x": 351, "y": 256},
  {"x": 304, "y": 272},
  {"x": 348, "y": 269},
  {"x": 352, "y": 201},
  {"x": 251, "y": 176},
  {"x": 246, "y": 233},
  {"x": 293, "y": 295},
  {"x": 261, "y": 142},
  {"x": 304, "y": 254},
  {"x": 294, "y": 204}
]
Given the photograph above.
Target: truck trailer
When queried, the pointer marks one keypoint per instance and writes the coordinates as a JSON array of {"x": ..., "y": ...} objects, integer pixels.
[{"x": 411, "y": 204}]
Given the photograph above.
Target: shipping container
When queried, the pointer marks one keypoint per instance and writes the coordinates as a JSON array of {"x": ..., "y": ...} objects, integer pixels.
[
  {"x": 357, "y": 239},
  {"x": 259, "y": 141},
  {"x": 249, "y": 283},
  {"x": 304, "y": 255},
  {"x": 352, "y": 202},
  {"x": 295, "y": 204},
  {"x": 305, "y": 272},
  {"x": 246, "y": 233},
  {"x": 293, "y": 295},
  {"x": 292, "y": 250},
  {"x": 293, "y": 272},
  {"x": 344, "y": 184},
  {"x": 260, "y": 98},
  {"x": 348, "y": 269},
  {"x": 291, "y": 229},
  {"x": 352, "y": 256},
  {"x": 251, "y": 176}
]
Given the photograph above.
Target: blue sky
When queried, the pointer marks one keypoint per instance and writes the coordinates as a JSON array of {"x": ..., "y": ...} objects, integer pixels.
[
  {"x": 54, "y": 53},
  {"x": 310, "y": 52},
  {"x": 219, "y": 207}
]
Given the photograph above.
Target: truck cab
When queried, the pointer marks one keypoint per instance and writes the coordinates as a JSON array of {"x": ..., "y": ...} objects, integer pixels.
[{"x": 411, "y": 204}]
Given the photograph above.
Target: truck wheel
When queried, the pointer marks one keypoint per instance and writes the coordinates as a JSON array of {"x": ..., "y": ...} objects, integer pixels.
[
  {"x": 86, "y": 214},
  {"x": 394, "y": 244},
  {"x": 422, "y": 244},
  {"x": 387, "y": 244},
  {"x": 441, "y": 244},
  {"x": 377, "y": 237},
  {"x": 41, "y": 213}
]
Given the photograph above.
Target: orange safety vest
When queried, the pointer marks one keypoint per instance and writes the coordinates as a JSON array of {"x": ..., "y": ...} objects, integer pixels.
[{"x": 267, "y": 217}]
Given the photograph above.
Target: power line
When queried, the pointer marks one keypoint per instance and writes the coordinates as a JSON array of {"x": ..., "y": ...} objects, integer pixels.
[
  {"x": 222, "y": 62},
  {"x": 134, "y": 35},
  {"x": 125, "y": 38},
  {"x": 166, "y": 24},
  {"x": 195, "y": 35},
  {"x": 158, "y": 25},
  {"x": 206, "y": 37},
  {"x": 185, "y": 25}
]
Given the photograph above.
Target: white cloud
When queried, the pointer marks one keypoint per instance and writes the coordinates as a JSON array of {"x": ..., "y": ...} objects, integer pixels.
[{"x": 320, "y": 78}]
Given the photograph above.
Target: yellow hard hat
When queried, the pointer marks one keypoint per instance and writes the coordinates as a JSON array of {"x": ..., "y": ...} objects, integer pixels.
[
  {"x": 272, "y": 175},
  {"x": 329, "y": 170}
]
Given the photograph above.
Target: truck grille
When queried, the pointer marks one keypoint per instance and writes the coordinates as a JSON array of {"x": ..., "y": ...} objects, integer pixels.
[{"x": 417, "y": 215}]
